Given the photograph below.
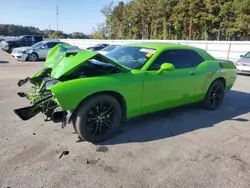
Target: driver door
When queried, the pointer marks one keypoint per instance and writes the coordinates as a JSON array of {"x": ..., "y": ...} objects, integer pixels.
[{"x": 171, "y": 88}]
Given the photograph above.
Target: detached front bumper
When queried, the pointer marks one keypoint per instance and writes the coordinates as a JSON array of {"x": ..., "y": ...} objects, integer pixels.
[
  {"x": 28, "y": 112},
  {"x": 42, "y": 101}
]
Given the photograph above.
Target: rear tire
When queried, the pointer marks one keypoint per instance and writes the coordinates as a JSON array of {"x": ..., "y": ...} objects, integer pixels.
[
  {"x": 215, "y": 95},
  {"x": 98, "y": 118},
  {"x": 10, "y": 50}
]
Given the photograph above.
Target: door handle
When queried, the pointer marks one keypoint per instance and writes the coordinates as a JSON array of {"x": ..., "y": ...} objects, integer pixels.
[{"x": 192, "y": 73}]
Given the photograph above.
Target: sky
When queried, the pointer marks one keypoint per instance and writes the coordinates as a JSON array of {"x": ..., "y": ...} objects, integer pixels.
[{"x": 74, "y": 15}]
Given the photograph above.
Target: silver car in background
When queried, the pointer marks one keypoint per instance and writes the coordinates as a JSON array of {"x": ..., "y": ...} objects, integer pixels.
[
  {"x": 107, "y": 49},
  {"x": 36, "y": 51},
  {"x": 243, "y": 64}
]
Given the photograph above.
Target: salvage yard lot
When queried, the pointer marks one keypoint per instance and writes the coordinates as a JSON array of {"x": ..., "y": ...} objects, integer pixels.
[{"x": 187, "y": 147}]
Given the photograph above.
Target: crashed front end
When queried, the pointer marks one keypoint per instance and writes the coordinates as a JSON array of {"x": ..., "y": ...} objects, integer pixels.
[
  {"x": 41, "y": 98},
  {"x": 65, "y": 70}
]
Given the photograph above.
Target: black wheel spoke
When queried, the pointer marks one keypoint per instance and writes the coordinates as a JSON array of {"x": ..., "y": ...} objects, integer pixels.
[
  {"x": 106, "y": 124},
  {"x": 109, "y": 121},
  {"x": 96, "y": 129},
  {"x": 101, "y": 107},
  {"x": 97, "y": 109},
  {"x": 211, "y": 100},
  {"x": 215, "y": 89},
  {"x": 107, "y": 110},
  {"x": 91, "y": 119},
  {"x": 111, "y": 112},
  {"x": 213, "y": 103},
  {"x": 100, "y": 128},
  {"x": 91, "y": 124},
  {"x": 216, "y": 102}
]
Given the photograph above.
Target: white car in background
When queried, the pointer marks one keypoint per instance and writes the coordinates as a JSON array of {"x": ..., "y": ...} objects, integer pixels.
[
  {"x": 243, "y": 64},
  {"x": 36, "y": 51},
  {"x": 107, "y": 49}
]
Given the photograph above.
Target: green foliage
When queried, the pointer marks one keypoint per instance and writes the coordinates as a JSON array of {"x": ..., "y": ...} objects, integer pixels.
[
  {"x": 99, "y": 32},
  {"x": 177, "y": 19},
  {"x": 57, "y": 35},
  {"x": 17, "y": 30}
]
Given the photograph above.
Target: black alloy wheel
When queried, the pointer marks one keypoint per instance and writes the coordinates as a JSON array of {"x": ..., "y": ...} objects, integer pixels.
[
  {"x": 101, "y": 118},
  {"x": 98, "y": 118},
  {"x": 215, "y": 95}
]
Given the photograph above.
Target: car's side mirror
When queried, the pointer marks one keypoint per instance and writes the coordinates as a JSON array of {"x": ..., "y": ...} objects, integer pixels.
[
  {"x": 166, "y": 67},
  {"x": 42, "y": 47},
  {"x": 241, "y": 55}
]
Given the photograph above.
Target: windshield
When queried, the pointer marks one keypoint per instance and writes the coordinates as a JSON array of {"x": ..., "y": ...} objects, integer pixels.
[
  {"x": 131, "y": 56},
  {"x": 247, "y": 55},
  {"x": 97, "y": 45},
  {"x": 109, "y": 48},
  {"x": 37, "y": 44}
]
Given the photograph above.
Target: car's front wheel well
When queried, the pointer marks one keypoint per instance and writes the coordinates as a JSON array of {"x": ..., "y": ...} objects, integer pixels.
[{"x": 114, "y": 94}]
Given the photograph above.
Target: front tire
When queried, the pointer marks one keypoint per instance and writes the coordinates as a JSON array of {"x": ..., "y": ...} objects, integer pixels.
[
  {"x": 98, "y": 118},
  {"x": 32, "y": 57},
  {"x": 215, "y": 95}
]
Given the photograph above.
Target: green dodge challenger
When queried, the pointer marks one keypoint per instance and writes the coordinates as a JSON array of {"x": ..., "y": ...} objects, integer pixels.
[{"x": 96, "y": 92}]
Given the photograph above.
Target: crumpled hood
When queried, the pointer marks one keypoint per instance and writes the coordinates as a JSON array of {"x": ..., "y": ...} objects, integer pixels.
[{"x": 64, "y": 59}]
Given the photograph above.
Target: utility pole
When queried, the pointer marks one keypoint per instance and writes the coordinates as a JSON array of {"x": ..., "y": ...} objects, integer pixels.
[
  {"x": 49, "y": 30},
  {"x": 57, "y": 15}
]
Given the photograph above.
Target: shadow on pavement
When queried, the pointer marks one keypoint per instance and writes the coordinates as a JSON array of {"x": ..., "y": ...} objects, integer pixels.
[
  {"x": 2, "y": 62},
  {"x": 242, "y": 74},
  {"x": 181, "y": 120}
]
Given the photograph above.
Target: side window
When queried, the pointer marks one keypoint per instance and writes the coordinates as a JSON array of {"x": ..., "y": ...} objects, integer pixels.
[
  {"x": 25, "y": 39},
  {"x": 33, "y": 39},
  {"x": 29, "y": 39},
  {"x": 45, "y": 46},
  {"x": 52, "y": 44},
  {"x": 179, "y": 58}
]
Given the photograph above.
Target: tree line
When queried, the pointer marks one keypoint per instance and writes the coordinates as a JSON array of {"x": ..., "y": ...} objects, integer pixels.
[
  {"x": 17, "y": 30},
  {"x": 176, "y": 19}
]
